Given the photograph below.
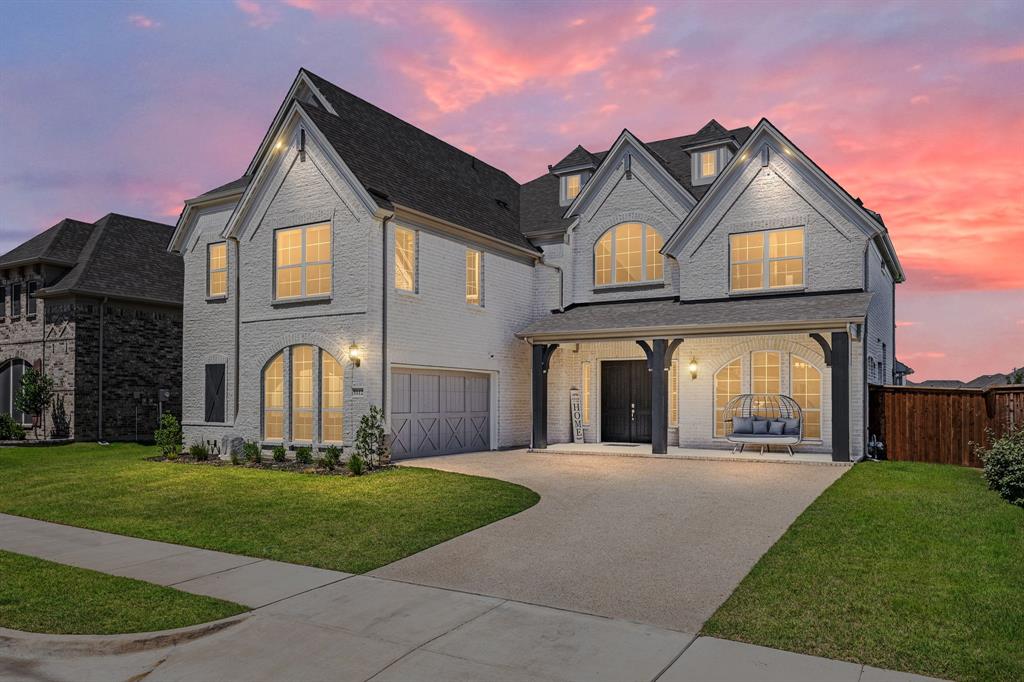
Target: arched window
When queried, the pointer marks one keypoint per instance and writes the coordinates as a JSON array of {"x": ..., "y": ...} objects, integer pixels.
[
  {"x": 310, "y": 421},
  {"x": 727, "y": 386},
  {"x": 765, "y": 378},
  {"x": 273, "y": 398},
  {"x": 805, "y": 380},
  {"x": 628, "y": 253}
]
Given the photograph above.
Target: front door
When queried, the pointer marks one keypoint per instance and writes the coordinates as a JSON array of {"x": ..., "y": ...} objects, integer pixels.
[{"x": 625, "y": 402}]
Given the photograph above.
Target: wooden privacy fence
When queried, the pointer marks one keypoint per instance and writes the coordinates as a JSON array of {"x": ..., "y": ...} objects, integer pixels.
[{"x": 941, "y": 425}]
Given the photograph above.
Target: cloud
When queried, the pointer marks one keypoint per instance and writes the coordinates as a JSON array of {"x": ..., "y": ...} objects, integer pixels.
[
  {"x": 925, "y": 354},
  {"x": 474, "y": 59},
  {"x": 142, "y": 21},
  {"x": 999, "y": 55},
  {"x": 260, "y": 14},
  {"x": 905, "y": 323}
]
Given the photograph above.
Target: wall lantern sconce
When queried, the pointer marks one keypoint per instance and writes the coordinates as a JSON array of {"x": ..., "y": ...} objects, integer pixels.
[
  {"x": 354, "y": 355},
  {"x": 278, "y": 146},
  {"x": 693, "y": 368}
]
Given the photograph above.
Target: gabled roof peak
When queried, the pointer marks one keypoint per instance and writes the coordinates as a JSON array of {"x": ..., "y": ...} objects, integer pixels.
[{"x": 577, "y": 158}]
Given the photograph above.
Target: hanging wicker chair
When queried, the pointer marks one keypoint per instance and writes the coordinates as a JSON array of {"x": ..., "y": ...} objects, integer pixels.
[{"x": 745, "y": 411}]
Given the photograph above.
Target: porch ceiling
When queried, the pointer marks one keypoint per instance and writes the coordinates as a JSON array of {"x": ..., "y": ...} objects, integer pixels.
[{"x": 637, "y": 319}]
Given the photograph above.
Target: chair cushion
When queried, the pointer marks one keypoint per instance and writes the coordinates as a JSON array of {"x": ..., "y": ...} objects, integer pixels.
[
  {"x": 760, "y": 426},
  {"x": 742, "y": 425},
  {"x": 776, "y": 428},
  {"x": 792, "y": 427}
]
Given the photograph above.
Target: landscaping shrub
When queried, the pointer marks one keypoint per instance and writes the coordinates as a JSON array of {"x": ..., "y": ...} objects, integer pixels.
[
  {"x": 279, "y": 453},
  {"x": 168, "y": 436},
  {"x": 10, "y": 429},
  {"x": 34, "y": 394},
  {"x": 199, "y": 452},
  {"x": 236, "y": 459},
  {"x": 355, "y": 465},
  {"x": 371, "y": 439},
  {"x": 304, "y": 455},
  {"x": 251, "y": 452},
  {"x": 1004, "y": 466},
  {"x": 332, "y": 455}
]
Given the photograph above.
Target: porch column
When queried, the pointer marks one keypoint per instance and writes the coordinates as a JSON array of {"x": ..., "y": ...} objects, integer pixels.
[
  {"x": 541, "y": 358},
  {"x": 656, "y": 353},
  {"x": 840, "y": 397}
]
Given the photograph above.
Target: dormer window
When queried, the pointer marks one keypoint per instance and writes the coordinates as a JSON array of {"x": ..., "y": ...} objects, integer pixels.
[
  {"x": 571, "y": 185},
  {"x": 708, "y": 163}
]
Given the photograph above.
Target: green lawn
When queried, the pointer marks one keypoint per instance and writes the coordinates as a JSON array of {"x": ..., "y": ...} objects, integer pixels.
[
  {"x": 41, "y": 596},
  {"x": 342, "y": 523},
  {"x": 914, "y": 567}
]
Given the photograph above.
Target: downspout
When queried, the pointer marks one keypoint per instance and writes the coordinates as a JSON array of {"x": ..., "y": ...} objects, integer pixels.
[
  {"x": 99, "y": 402},
  {"x": 561, "y": 284},
  {"x": 384, "y": 316},
  {"x": 238, "y": 324}
]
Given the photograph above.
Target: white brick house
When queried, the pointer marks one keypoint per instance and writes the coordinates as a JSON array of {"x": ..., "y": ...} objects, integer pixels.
[{"x": 360, "y": 261}]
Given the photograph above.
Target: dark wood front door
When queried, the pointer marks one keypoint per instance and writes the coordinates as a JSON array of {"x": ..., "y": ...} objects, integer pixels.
[{"x": 625, "y": 402}]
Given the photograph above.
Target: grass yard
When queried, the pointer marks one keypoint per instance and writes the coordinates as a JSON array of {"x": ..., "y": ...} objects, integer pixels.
[
  {"x": 914, "y": 567},
  {"x": 347, "y": 524},
  {"x": 41, "y": 596}
]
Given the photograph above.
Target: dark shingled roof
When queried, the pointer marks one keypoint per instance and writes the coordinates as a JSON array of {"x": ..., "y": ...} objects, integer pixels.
[
  {"x": 59, "y": 244},
  {"x": 576, "y": 158},
  {"x": 416, "y": 169},
  {"x": 125, "y": 257},
  {"x": 669, "y": 313},
  {"x": 239, "y": 184},
  {"x": 539, "y": 204}
]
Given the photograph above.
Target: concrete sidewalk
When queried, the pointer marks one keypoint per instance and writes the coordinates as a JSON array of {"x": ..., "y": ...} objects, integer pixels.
[{"x": 312, "y": 624}]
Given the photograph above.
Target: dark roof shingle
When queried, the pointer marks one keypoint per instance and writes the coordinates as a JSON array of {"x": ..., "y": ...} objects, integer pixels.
[{"x": 58, "y": 244}]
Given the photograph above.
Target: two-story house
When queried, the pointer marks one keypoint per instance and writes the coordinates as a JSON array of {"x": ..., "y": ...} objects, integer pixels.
[{"x": 361, "y": 261}]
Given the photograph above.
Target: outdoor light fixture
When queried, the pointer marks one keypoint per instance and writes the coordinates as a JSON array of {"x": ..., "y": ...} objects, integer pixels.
[
  {"x": 353, "y": 354},
  {"x": 279, "y": 145},
  {"x": 693, "y": 368}
]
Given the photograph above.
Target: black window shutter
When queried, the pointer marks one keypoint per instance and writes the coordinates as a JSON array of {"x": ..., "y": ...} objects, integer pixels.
[{"x": 215, "y": 393}]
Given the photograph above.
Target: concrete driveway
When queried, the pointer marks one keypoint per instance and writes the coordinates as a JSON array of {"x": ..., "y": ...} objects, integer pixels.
[{"x": 654, "y": 541}]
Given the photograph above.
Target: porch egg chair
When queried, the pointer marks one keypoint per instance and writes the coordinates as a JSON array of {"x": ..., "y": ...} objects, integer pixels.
[{"x": 764, "y": 419}]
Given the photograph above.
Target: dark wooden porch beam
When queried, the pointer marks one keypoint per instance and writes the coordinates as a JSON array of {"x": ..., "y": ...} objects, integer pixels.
[
  {"x": 541, "y": 360},
  {"x": 825, "y": 350},
  {"x": 840, "y": 396}
]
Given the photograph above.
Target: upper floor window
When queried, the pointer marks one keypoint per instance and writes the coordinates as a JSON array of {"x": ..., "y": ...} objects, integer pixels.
[
  {"x": 3, "y": 303},
  {"x": 474, "y": 260},
  {"x": 30, "y": 299},
  {"x": 217, "y": 270},
  {"x": 405, "y": 259},
  {"x": 770, "y": 259},
  {"x": 303, "y": 261},
  {"x": 571, "y": 185},
  {"x": 708, "y": 163},
  {"x": 628, "y": 253},
  {"x": 15, "y": 301}
]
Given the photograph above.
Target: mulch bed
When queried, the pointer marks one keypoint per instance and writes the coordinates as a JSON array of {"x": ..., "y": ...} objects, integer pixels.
[{"x": 267, "y": 463}]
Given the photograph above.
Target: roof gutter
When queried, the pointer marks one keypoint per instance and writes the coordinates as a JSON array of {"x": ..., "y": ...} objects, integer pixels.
[{"x": 403, "y": 212}]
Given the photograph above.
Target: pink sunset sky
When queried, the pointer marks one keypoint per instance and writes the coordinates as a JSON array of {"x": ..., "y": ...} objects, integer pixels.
[{"x": 917, "y": 108}]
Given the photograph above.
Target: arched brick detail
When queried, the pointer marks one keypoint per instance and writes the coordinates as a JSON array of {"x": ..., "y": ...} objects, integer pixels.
[
  {"x": 809, "y": 352},
  {"x": 335, "y": 347}
]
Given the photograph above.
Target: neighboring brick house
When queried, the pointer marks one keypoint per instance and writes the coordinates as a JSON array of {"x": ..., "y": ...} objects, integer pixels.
[
  {"x": 361, "y": 261},
  {"x": 97, "y": 307}
]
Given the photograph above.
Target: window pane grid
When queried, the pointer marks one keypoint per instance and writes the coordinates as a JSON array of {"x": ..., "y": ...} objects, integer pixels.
[
  {"x": 405, "y": 259},
  {"x": 302, "y": 393},
  {"x": 727, "y": 387},
  {"x": 673, "y": 394},
  {"x": 332, "y": 399},
  {"x": 217, "y": 269},
  {"x": 768, "y": 259},
  {"x": 572, "y": 186},
  {"x": 628, "y": 253},
  {"x": 273, "y": 399},
  {"x": 303, "y": 261},
  {"x": 708, "y": 164},
  {"x": 472, "y": 277},
  {"x": 805, "y": 380},
  {"x": 585, "y": 394}
]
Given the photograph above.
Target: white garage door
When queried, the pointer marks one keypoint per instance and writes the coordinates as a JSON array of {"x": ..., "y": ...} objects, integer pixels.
[{"x": 438, "y": 413}]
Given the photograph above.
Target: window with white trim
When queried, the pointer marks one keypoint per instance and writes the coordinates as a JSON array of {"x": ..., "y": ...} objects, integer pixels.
[
  {"x": 31, "y": 303},
  {"x": 570, "y": 186},
  {"x": 770, "y": 259},
  {"x": 302, "y": 261},
  {"x": 273, "y": 398},
  {"x": 405, "y": 259},
  {"x": 474, "y": 279},
  {"x": 332, "y": 399},
  {"x": 673, "y": 394},
  {"x": 629, "y": 252},
  {"x": 310, "y": 422},
  {"x": 302, "y": 393},
  {"x": 805, "y": 389},
  {"x": 708, "y": 164},
  {"x": 217, "y": 270}
]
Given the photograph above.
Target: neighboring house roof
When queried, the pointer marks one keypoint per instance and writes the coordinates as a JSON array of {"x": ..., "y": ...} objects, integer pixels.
[
  {"x": 672, "y": 316},
  {"x": 412, "y": 168},
  {"x": 900, "y": 368},
  {"x": 125, "y": 258},
  {"x": 59, "y": 244},
  {"x": 940, "y": 383}
]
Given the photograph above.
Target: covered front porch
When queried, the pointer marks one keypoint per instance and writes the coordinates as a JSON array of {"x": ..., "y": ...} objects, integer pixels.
[{"x": 650, "y": 378}]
